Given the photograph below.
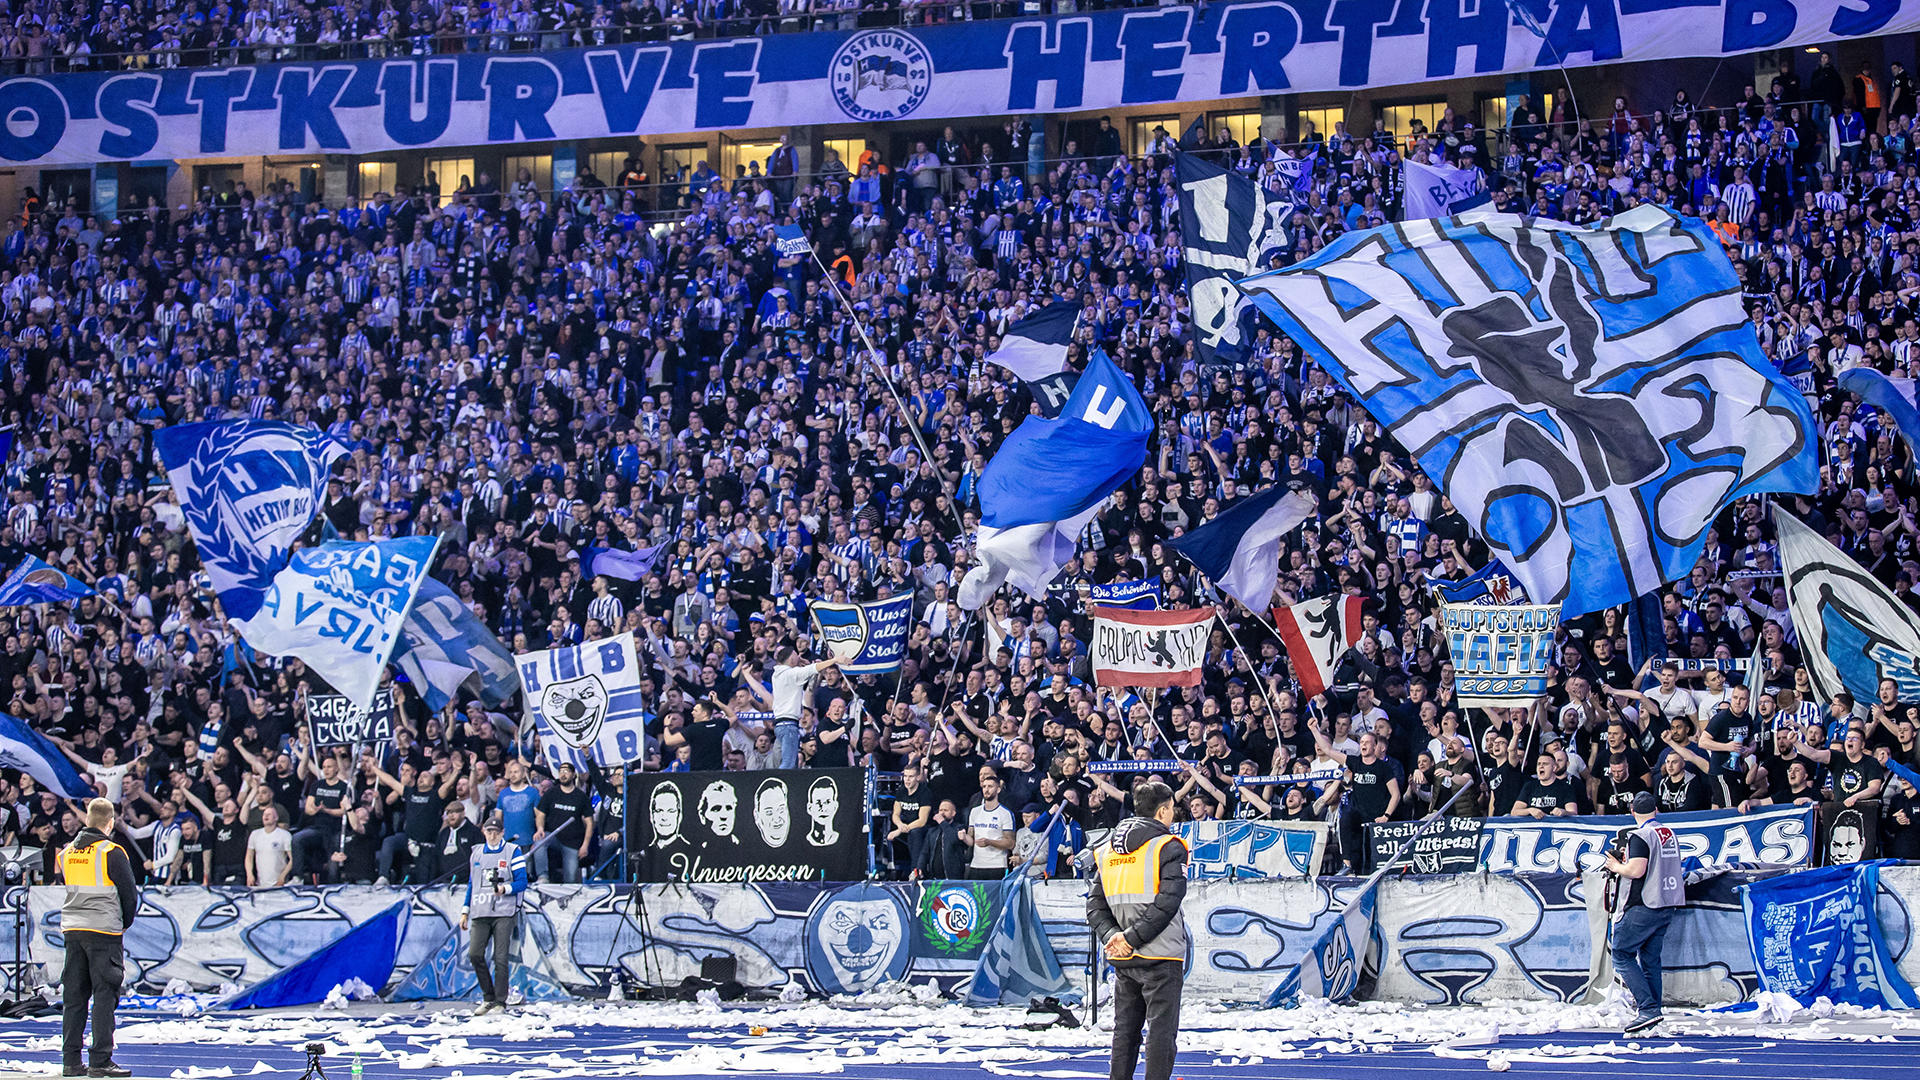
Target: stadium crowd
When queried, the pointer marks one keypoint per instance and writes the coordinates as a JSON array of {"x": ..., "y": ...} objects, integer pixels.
[{"x": 525, "y": 373}]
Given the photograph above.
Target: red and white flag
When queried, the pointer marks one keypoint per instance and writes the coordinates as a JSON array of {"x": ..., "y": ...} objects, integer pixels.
[
  {"x": 1149, "y": 648},
  {"x": 1316, "y": 633}
]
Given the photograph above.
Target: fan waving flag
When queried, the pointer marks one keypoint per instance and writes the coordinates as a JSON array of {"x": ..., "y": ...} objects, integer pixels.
[
  {"x": 248, "y": 488},
  {"x": 1853, "y": 630},
  {"x": 1587, "y": 397},
  {"x": 1036, "y": 346},
  {"x": 341, "y": 608},
  {"x": 1050, "y": 477},
  {"x": 790, "y": 241},
  {"x": 1228, "y": 228},
  {"x": 1441, "y": 190},
  {"x": 1240, "y": 549},
  {"x": 34, "y": 582},
  {"x": 1316, "y": 633},
  {"x": 32, "y": 753}
]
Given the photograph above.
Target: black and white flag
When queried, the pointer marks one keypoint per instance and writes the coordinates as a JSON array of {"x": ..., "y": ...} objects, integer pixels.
[
  {"x": 1036, "y": 346},
  {"x": 1228, "y": 229}
]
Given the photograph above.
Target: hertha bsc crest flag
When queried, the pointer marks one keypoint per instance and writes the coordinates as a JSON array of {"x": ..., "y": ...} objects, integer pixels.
[
  {"x": 868, "y": 638},
  {"x": 1589, "y": 398}
]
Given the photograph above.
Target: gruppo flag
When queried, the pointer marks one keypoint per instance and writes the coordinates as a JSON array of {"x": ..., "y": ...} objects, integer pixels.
[
  {"x": 1240, "y": 549},
  {"x": 1317, "y": 633},
  {"x": 1050, "y": 477},
  {"x": 1228, "y": 229},
  {"x": 34, "y": 582},
  {"x": 445, "y": 647},
  {"x": 1592, "y": 396},
  {"x": 869, "y": 638},
  {"x": 340, "y": 608},
  {"x": 247, "y": 488},
  {"x": 1441, "y": 190},
  {"x": 1149, "y": 648},
  {"x": 586, "y": 703},
  {"x": 1853, "y": 630}
]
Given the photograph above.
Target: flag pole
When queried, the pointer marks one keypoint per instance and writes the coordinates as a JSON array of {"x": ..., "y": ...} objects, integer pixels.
[{"x": 926, "y": 456}]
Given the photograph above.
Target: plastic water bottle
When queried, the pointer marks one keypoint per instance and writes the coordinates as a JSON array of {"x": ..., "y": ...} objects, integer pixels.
[{"x": 356, "y": 1067}]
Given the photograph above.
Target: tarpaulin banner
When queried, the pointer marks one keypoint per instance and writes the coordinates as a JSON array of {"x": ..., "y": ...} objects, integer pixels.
[
  {"x": 770, "y": 825},
  {"x": 869, "y": 638},
  {"x": 1500, "y": 653},
  {"x": 1134, "y": 595},
  {"x": 1068, "y": 63},
  {"x": 336, "y": 721},
  {"x": 1782, "y": 835},
  {"x": 1815, "y": 934},
  {"x": 1252, "y": 849},
  {"x": 1452, "y": 846},
  {"x": 1149, "y": 648}
]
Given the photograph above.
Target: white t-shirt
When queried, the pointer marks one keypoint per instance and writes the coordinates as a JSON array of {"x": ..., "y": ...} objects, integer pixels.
[
  {"x": 112, "y": 779},
  {"x": 272, "y": 851},
  {"x": 790, "y": 686},
  {"x": 992, "y": 824},
  {"x": 1675, "y": 702}
]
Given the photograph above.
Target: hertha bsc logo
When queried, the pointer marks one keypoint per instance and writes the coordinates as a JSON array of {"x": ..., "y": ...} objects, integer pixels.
[{"x": 880, "y": 75}]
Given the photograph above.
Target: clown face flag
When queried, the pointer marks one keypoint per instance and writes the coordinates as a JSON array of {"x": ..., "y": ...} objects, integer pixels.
[
  {"x": 1588, "y": 398},
  {"x": 1853, "y": 630},
  {"x": 340, "y": 607},
  {"x": 585, "y": 701},
  {"x": 247, "y": 488}
]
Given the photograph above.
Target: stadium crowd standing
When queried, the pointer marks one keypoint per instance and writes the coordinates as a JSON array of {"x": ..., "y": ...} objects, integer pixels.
[{"x": 526, "y": 373}]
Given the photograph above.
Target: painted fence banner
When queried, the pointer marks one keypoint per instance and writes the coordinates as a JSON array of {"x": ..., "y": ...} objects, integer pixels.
[
  {"x": 337, "y": 721},
  {"x": 770, "y": 825},
  {"x": 1450, "y": 847},
  {"x": 1782, "y": 835},
  {"x": 1065, "y": 63},
  {"x": 1500, "y": 653},
  {"x": 1243, "y": 850}
]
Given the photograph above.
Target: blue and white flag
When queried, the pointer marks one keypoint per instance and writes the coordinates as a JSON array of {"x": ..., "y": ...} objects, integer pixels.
[
  {"x": 1524, "y": 14},
  {"x": 1129, "y": 595},
  {"x": 1331, "y": 967},
  {"x": 1893, "y": 397},
  {"x": 1441, "y": 190},
  {"x": 619, "y": 564},
  {"x": 790, "y": 241},
  {"x": 1589, "y": 397},
  {"x": 34, "y": 582},
  {"x": 1853, "y": 630},
  {"x": 1229, "y": 228},
  {"x": 1050, "y": 477},
  {"x": 1298, "y": 172},
  {"x": 341, "y": 608},
  {"x": 585, "y": 701},
  {"x": 1240, "y": 550},
  {"x": 1018, "y": 963},
  {"x": 1036, "y": 346},
  {"x": 1816, "y": 934},
  {"x": 1798, "y": 370},
  {"x": 32, "y": 753},
  {"x": 445, "y": 647},
  {"x": 248, "y": 488},
  {"x": 869, "y": 638},
  {"x": 1491, "y": 584}
]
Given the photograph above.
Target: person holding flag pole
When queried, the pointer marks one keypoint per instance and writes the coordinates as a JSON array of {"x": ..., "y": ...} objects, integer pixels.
[{"x": 791, "y": 241}]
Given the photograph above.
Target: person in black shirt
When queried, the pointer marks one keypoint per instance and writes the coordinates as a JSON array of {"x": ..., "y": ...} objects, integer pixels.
[
  {"x": 229, "y": 850},
  {"x": 324, "y": 812},
  {"x": 353, "y": 859},
  {"x": 945, "y": 854},
  {"x": 1374, "y": 791},
  {"x": 1507, "y": 776},
  {"x": 1681, "y": 789},
  {"x": 1799, "y": 789},
  {"x": 1726, "y": 740},
  {"x": 1547, "y": 794},
  {"x": 195, "y": 866},
  {"x": 610, "y": 815},
  {"x": 1617, "y": 788},
  {"x": 455, "y": 842},
  {"x": 834, "y": 731},
  {"x": 704, "y": 735},
  {"x": 1857, "y": 775},
  {"x": 911, "y": 817},
  {"x": 421, "y": 806},
  {"x": 565, "y": 812}
]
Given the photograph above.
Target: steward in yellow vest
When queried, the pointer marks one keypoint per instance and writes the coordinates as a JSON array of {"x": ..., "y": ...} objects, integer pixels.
[
  {"x": 1134, "y": 909},
  {"x": 100, "y": 905}
]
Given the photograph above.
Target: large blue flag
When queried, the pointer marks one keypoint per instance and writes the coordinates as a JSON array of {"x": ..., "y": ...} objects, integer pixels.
[
  {"x": 1588, "y": 398},
  {"x": 340, "y": 607},
  {"x": 1229, "y": 227},
  {"x": 32, "y": 753},
  {"x": 1893, "y": 397},
  {"x": 1049, "y": 479},
  {"x": 1018, "y": 963},
  {"x": 34, "y": 582},
  {"x": 1816, "y": 934},
  {"x": 869, "y": 638},
  {"x": 618, "y": 563},
  {"x": 248, "y": 488},
  {"x": 444, "y": 647},
  {"x": 1853, "y": 630},
  {"x": 1240, "y": 550}
]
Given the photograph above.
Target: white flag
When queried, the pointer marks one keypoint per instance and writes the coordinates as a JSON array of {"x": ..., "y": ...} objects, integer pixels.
[{"x": 585, "y": 701}]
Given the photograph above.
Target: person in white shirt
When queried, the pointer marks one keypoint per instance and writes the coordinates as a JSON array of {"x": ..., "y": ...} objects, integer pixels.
[
  {"x": 791, "y": 682},
  {"x": 269, "y": 852},
  {"x": 989, "y": 832}
]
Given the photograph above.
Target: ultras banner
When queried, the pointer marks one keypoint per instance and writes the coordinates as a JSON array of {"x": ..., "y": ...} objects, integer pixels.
[
  {"x": 1069, "y": 62},
  {"x": 769, "y": 825}
]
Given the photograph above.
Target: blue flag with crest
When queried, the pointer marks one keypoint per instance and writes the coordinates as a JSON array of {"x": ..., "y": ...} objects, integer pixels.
[
  {"x": 1491, "y": 584},
  {"x": 248, "y": 488},
  {"x": 444, "y": 647},
  {"x": 34, "y": 582},
  {"x": 1588, "y": 397},
  {"x": 1816, "y": 934}
]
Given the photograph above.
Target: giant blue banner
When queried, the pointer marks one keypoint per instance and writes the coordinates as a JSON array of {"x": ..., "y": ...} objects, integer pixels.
[{"x": 1072, "y": 62}]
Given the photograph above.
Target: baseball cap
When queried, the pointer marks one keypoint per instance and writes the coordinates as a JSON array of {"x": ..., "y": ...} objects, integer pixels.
[
  {"x": 1645, "y": 803},
  {"x": 495, "y": 822}
]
